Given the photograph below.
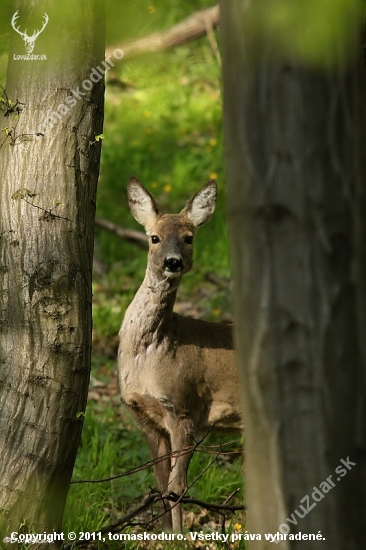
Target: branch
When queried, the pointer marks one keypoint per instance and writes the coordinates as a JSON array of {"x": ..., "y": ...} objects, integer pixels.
[
  {"x": 208, "y": 505},
  {"x": 209, "y": 449},
  {"x": 148, "y": 501},
  {"x": 136, "y": 237},
  {"x": 196, "y": 25},
  {"x": 145, "y": 466},
  {"x": 156, "y": 496}
]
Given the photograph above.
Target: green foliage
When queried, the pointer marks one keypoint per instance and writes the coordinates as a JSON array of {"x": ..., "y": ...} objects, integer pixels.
[
  {"x": 316, "y": 32},
  {"x": 164, "y": 128}
]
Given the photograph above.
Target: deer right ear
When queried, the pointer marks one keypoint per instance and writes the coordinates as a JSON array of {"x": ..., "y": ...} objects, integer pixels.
[{"x": 143, "y": 206}]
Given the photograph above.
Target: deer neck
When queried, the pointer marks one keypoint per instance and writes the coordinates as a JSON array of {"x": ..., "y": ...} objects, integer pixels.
[{"x": 149, "y": 316}]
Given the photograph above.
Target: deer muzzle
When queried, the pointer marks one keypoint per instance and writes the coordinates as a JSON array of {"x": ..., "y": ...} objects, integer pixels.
[{"x": 173, "y": 265}]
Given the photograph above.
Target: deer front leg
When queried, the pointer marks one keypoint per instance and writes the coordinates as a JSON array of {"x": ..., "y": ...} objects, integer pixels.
[
  {"x": 180, "y": 439},
  {"x": 159, "y": 445}
]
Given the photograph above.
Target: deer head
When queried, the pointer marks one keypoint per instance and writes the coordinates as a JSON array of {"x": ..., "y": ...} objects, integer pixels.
[
  {"x": 171, "y": 235},
  {"x": 28, "y": 40}
]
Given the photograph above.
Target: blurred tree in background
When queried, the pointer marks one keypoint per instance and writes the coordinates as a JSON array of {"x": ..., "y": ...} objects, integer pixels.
[{"x": 295, "y": 114}]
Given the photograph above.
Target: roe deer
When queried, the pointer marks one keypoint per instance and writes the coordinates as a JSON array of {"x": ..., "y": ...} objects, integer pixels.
[{"x": 177, "y": 375}]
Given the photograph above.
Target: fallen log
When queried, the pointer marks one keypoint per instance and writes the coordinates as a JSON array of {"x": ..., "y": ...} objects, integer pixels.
[{"x": 194, "y": 26}]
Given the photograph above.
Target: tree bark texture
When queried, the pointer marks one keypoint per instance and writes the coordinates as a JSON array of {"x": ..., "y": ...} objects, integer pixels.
[
  {"x": 48, "y": 190},
  {"x": 295, "y": 151}
]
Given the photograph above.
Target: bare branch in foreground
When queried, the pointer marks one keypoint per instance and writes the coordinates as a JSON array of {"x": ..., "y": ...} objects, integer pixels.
[
  {"x": 156, "y": 496},
  {"x": 148, "y": 501},
  {"x": 210, "y": 449}
]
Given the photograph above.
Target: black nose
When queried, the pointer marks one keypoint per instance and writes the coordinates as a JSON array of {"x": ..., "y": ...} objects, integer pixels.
[{"x": 173, "y": 264}]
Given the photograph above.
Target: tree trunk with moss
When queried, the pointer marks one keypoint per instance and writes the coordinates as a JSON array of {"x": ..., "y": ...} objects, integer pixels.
[
  {"x": 295, "y": 148},
  {"x": 49, "y": 165}
]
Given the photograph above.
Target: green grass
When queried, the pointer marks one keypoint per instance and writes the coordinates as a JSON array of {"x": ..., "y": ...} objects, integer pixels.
[
  {"x": 166, "y": 129},
  {"x": 111, "y": 444}
]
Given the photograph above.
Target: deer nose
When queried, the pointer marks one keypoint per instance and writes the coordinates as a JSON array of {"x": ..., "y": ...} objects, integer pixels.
[{"x": 173, "y": 264}]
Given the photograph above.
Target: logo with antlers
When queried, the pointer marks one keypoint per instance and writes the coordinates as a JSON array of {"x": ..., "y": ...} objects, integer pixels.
[{"x": 29, "y": 41}]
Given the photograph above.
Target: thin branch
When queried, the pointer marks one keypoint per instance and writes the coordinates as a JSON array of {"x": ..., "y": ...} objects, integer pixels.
[
  {"x": 148, "y": 501},
  {"x": 145, "y": 466},
  {"x": 177, "y": 499},
  {"x": 209, "y": 505},
  {"x": 210, "y": 449},
  {"x": 47, "y": 214},
  {"x": 194, "y": 26},
  {"x": 215, "y": 279},
  {"x": 157, "y": 496},
  {"x": 136, "y": 237}
]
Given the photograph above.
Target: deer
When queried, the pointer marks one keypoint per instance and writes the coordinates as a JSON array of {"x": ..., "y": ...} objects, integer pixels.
[
  {"x": 177, "y": 375},
  {"x": 29, "y": 41}
]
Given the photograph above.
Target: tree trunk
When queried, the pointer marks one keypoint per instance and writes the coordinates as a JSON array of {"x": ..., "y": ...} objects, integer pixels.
[
  {"x": 49, "y": 166},
  {"x": 295, "y": 149}
]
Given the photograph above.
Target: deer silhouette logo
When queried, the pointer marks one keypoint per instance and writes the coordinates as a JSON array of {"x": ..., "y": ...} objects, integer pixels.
[{"x": 29, "y": 41}]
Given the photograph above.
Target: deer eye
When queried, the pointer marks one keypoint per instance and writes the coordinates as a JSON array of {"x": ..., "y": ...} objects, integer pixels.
[
  {"x": 188, "y": 239},
  {"x": 155, "y": 239}
]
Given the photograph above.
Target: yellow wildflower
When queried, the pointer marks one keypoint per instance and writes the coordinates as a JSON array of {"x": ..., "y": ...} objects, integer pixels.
[{"x": 167, "y": 188}]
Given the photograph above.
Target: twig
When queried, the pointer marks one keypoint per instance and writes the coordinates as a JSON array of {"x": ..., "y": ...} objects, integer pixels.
[
  {"x": 208, "y": 505},
  {"x": 226, "y": 502},
  {"x": 136, "y": 237},
  {"x": 145, "y": 466},
  {"x": 148, "y": 501},
  {"x": 217, "y": 280},
  {"x": 47, "y": 214},
  {"x": 212, "y": 40},
  {"x": 179, "y": 498},
  {"x": 156, "y": 496}
]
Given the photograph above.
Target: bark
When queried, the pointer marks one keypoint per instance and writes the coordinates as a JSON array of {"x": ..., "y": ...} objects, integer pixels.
[
  {"x": 295, "y": 150},
  {"x": 48, "y": 188},
  {"x": 196, "y": 25}
]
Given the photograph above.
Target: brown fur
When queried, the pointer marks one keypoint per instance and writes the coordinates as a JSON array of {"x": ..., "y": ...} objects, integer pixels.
[{"x": 177, "y": 375}]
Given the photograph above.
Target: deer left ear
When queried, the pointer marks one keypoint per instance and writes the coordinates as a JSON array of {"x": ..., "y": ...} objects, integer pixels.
[{"x": 200, "y": 208}]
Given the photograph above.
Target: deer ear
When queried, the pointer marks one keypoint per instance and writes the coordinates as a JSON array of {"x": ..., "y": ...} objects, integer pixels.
[
  {"x": 200, "y": 208},
  {"x": 143, "y": 206}
]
